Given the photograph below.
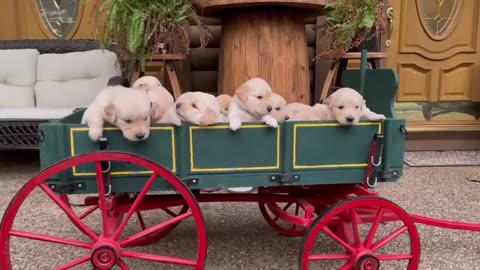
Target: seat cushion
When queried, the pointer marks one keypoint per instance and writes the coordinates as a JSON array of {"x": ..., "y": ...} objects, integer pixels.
[
  {"x": 18, "y": 74},
  {"x": 34, "y": 113},
  {"x": 73, "y": 79}
]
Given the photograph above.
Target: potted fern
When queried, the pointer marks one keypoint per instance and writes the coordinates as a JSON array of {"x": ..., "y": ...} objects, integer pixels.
[
  {"x": 140, "y": 28},
  {"x": 352, "y": 25}
]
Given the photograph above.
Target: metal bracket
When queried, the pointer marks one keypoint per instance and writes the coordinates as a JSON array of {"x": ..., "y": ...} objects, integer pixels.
[
  {"x": 284, "y": 178},
  {"x": 387, "y": 175},
  {"x": 68, "y": 188},
  {"x": 191, "y": 181}
]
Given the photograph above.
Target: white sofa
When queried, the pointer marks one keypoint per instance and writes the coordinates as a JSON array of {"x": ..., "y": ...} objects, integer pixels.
[{"x": 37, "y": 87}]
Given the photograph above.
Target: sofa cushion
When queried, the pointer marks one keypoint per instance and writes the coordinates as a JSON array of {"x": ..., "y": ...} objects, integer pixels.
[
  {"x": 18, "y": 114},
  {"x": 73, "y": 79},
  {"x": 18, "y": 74}
]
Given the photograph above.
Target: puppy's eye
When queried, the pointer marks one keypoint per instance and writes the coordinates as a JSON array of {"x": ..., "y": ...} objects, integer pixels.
[
  {"x": 356, "y": 107},
  {"x": 278, "y": 108},
  {"x": 194, "y": 105},
  {"x": 146, "y": 118},
  {"x": 340, "y": 107},
  {"x": 259, "y": 97},
  {"x": 128, "y": 121}
]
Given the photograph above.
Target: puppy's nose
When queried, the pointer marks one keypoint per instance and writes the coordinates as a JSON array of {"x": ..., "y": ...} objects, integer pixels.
[
  {"x": 178, "y": 105},
  {"x": 350, "y": 119},
  {"x": 287, "y": 117},
  {"x": 140, "y": 135},
  {"x": 269, "y": 108}
]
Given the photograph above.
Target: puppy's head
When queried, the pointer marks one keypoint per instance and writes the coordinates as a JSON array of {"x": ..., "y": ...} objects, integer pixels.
[
  {"x": 198, "y": 108},
  {"x": 129, "y": 110},
  {"x": 279, "y": 107},
  {"x": 255, "y": 96},
  {"x": 224, "y": 102},
  {"x": 146, "y": 82},
  {"x": 346, "y": 105}
]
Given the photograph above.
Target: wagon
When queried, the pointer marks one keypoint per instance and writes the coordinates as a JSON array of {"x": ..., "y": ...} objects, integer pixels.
[{"x": 313, "y": 180}]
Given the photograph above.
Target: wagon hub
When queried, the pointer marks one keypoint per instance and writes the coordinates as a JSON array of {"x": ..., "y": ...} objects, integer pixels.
[
  {"x": 104, "y": 257},
  {"x": 368, "y": 262}
]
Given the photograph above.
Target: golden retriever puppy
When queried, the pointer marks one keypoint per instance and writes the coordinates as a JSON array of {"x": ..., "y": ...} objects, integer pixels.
[
  {"x": 224, "y": 102},
  {"x": 252, "y": 102},
  {"x": 348, "y": 107},
  {"x": 302, "y": 112},
  {"x": 126, "y": 108},
  {"x": 279, "y": 107},
  {"x": 161, "y": 99},
  {"x": 198, "y": 108}
]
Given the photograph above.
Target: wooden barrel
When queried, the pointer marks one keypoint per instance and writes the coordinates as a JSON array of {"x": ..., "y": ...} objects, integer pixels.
[{"x": 269, "y": 43}]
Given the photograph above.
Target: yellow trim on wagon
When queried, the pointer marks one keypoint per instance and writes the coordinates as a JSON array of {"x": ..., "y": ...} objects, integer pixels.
[
  {"x": 192, "y": 165},
  {"x": 327, "y": 166},
  {"x": 85, "y": 129}
]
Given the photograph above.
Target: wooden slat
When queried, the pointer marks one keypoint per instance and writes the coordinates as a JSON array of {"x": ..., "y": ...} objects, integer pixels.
[
  {"x": 358, "y": 55},
  {"x": 204, "y": 58},
  {"x": 205, "y": 81},
  {"x": 310, "y": 34}
]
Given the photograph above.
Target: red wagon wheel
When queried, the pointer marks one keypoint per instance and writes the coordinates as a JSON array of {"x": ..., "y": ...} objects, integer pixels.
[
  {"x": 362, "y": 246},
  {"x": 286, "y": 218},
  {"x": 109, "y": 248}
]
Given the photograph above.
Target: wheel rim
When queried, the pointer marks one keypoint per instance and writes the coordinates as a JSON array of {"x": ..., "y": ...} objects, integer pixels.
[
  {"x": 290, "y": 227},
  {"x": 108, "y": 248},
  {"x": 361, "y": 252}
]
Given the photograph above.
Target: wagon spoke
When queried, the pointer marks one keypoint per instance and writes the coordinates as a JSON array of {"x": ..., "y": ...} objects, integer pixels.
[
  {"x": 51, "y": 239},
  {"x": 123, "y": 265},
  {"x": 168, "y": 211},
  {"x": 356, "y": 234},
  {"x": 88, "y": 212},
  {"x": 389, "y": 238},
  {"x": 338, "y": 239},
  {"x": 157, "y": 258},
  {"x": 141, "y": 221},
  {"x": 101, "y": 196},
  {"x": 346, "y": 266},
  {"x": 284, "y": 209},
  {"x": 329, "y": 257},
  {"x": 155, "y": 228},
  {"x": 74, "y": 263},
  {"x": 69, "y": 212},
  {"x": 134, "y": 206},
  {"x": 297, "y": 208},
  {"x": 394, "y": 257},
  {"x": 373, "y": 229}
]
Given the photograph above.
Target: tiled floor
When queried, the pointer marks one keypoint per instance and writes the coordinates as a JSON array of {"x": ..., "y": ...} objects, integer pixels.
[{"x": 442, "y": 158}]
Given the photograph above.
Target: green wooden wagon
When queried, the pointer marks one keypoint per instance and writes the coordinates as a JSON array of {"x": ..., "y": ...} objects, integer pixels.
[{"x": 311, "y": 178}]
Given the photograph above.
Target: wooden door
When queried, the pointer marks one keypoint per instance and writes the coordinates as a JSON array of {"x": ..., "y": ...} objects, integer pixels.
[
  {"x": 435, "y": 48},
  {"x": 47, "y": 19}
]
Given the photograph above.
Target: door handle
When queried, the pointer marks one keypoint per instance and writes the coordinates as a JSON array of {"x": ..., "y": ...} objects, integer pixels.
[{"x": 390, "y": 24}]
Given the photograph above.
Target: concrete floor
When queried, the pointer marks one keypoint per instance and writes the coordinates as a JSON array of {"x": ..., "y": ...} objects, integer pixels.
[{"x": 239, "y": 238}]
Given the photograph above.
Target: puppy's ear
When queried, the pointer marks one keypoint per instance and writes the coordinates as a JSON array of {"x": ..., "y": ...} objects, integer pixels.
[
  {"x": 329, "y": 102},
  {"x": 242, "y": 92},
  {"x": 364, "y": 105},
  {"x": 210, "y": 117},
  {"x": 110, "y": 112},
  {"x": 154, "y": 112}
]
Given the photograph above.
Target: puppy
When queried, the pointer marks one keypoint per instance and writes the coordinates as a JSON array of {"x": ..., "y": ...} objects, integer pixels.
[
  {"x": 279, "y": 105},
  {"x": 198, "y": 108},
  {"x": 224, "y": 102},
  {"x": 126, "y": 108},
  {"x": 348, "y": 107},
  {"x": 251, "y": 102},
  {"x": 302, "y": 112},
  {"x": 161, "y": 99}
]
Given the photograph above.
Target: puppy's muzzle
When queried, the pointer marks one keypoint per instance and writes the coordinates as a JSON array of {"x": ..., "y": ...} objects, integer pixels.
[
  {"x": 287, "y": 117},
  {"x": 140, "y": 136},
  {"x": 269, "y": 108},
  {"x": 350, "y": 119}
]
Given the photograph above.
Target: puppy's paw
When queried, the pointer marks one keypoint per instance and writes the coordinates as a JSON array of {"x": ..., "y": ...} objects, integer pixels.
[
  {"x": 235, "y": 125},
  {"x": 271, "y": 122},
  {"x": 376, "y": 117},
  {"x": 95, "y": 133}
]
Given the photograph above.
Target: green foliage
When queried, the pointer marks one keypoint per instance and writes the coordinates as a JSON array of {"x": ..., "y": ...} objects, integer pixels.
[
  {"x": 348, "y": 24},
  {"x": 141, "y": 27}
]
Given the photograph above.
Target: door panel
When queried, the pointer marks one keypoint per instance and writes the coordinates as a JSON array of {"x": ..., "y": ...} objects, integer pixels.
[{"x": 435, "y": 50}]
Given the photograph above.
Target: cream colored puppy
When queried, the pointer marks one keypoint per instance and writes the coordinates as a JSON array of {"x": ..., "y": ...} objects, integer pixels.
[
  {"x": 126, "y": 108},
  {"x": 302, "y": 112},
  {"x": 348, "y": 107},
  {"x": 224, "y": 101},
  {"x": 198, "y": 108},
  {"x": 279, "y": 105},
  {"x": 251, "y": 102},
  {"x": 161, "y": 99}
]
